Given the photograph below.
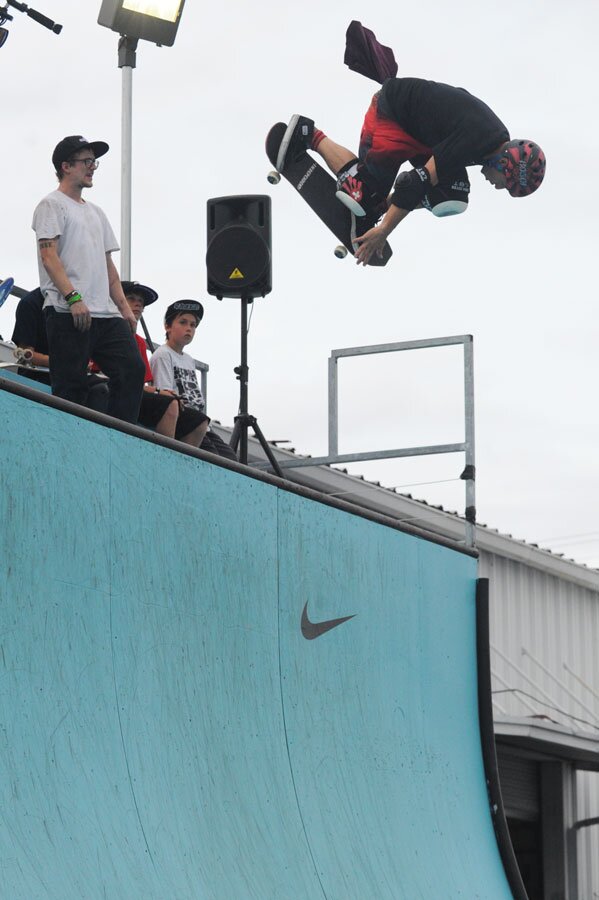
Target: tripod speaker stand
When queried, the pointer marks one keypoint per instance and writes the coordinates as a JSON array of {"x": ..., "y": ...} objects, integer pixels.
[
  {"x": 238, "y": 261},
  {"x": 244, "y": 420}
]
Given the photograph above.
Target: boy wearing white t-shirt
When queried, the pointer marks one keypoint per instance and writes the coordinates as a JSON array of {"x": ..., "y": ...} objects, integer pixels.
[{"x": 174, "y": 370}]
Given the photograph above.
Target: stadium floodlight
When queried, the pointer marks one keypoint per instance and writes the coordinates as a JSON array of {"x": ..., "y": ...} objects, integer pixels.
[{"x": 156, "y": 21}]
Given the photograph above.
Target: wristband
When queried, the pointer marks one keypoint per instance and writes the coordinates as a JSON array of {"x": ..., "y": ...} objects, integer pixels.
[
  {"x": 73, "y": 297},
  {"x": 410, "y": 189}
]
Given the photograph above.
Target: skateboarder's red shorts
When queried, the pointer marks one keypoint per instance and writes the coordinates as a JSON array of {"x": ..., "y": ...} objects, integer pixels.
[{"x": 384, "y": 146}]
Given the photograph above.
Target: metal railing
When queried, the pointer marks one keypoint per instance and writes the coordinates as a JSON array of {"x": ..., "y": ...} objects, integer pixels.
[{"x": 466, "y": 446}]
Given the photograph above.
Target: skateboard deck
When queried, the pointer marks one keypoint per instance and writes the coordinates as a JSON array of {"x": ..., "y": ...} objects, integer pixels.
[{"x": 317, "y": 188}]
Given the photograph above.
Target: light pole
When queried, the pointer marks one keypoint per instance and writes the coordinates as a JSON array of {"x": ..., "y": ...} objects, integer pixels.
[{"x": 156, "y": 21}]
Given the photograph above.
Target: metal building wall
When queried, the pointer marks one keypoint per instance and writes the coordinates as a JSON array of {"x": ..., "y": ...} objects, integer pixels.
[{"x": 545, "y": 663}]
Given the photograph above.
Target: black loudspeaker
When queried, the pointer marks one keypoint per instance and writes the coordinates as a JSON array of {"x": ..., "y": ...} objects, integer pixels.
[{"x": 238, "y": 258}]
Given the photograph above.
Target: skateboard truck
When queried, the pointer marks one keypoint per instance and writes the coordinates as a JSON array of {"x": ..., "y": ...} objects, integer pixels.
[
  {"x": 11, "y": 356},
  {"x": 23, "y": 356}
]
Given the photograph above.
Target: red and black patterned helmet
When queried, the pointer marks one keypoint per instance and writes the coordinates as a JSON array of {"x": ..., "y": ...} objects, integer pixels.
[{"x": 524, "y": 167}]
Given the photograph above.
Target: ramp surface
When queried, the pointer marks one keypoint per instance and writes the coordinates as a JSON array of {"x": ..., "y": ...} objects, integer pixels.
[{"x": 167, "y": 731}]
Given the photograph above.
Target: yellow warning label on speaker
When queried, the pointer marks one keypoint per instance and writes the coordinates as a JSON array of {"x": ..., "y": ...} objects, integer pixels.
[{"x": 236, "y": 274}]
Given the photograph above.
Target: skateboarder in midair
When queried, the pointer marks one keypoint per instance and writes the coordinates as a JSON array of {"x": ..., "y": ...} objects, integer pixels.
[{"x": 438, "y": 128}]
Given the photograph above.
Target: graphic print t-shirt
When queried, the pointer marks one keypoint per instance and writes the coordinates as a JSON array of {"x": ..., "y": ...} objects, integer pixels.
[{"x": 174, "y": 371}]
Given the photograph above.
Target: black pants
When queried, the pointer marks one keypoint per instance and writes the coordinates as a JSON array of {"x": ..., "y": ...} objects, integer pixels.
[{"x": 110, "y": 343}]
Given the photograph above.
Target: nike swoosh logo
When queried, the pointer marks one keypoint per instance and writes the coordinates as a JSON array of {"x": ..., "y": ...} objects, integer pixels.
[{"x": 311, "y": 630}]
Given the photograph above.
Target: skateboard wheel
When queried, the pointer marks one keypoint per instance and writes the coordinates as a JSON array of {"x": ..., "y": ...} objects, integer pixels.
[
  {"x": 340, "y": 251},
  {"x": 273, "y": 177}
]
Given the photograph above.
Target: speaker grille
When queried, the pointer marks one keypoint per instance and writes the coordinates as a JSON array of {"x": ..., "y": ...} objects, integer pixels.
[{"x": 237, "y": 256}]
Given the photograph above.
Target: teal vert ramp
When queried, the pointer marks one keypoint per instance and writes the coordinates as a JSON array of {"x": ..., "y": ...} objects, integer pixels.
[{"x": 167, "y": 732}]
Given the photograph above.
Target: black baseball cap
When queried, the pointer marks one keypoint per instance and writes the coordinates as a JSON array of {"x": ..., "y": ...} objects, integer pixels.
[
  {"x": 147, "y": 294},
  {"x": 183, "y": 306},
  {"x": 72, "y": 144}
]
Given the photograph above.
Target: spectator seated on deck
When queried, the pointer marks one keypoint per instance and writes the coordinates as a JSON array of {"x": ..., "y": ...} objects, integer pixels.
[
  {"x": 30, "y": 334},
  {"x": 174, "y": 371},
  {"x": 163, "y": 407},
  {"x": 160, "y": 409}
]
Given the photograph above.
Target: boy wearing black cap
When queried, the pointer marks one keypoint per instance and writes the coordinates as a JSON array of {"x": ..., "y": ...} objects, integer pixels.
[
  {"x": 85, "y": 309},
  {"x": 160, "y": 407},
  {"x": 174, "y": 370}
]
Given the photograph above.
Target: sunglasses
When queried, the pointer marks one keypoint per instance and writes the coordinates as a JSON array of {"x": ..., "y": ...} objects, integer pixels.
[{"x": 89, "y": 162}]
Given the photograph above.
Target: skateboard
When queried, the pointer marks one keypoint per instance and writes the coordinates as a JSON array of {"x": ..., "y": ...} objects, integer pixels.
[
  {"x": 6, "y": 287},
  {"x": 317, "y": 188}
]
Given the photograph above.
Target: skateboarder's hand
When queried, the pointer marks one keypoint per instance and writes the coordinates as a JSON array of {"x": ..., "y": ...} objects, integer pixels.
[
  {"x": 370, "y": 242},
  {"x": 82, "y": 319}
]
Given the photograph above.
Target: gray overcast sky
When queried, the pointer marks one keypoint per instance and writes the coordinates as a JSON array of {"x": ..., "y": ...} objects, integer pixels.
[{"x": 517, "y": 274}]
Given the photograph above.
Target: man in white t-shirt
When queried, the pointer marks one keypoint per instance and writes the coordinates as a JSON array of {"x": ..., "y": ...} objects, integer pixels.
[{"x": 86, "y": 313}]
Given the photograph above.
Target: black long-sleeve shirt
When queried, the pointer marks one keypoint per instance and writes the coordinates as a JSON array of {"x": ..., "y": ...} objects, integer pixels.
[{"x": 459, "y": 129}]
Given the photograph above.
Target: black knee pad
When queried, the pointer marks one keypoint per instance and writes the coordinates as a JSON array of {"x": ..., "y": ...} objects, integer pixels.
[{"x": 449, "y": 198}]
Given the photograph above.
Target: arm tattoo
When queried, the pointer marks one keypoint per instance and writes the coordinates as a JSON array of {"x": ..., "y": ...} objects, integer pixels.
[{"x": 44, "y": 245}]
